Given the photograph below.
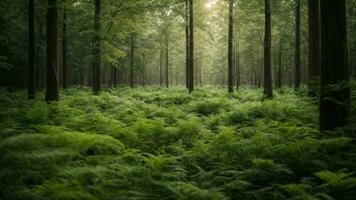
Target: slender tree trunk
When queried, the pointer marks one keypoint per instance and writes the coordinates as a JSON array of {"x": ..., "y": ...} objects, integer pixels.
[
  {"x": 334, "y": 101},
  {"x": 238, "y": 63},
  {"x": 52, "y": 50},
  {"x": 115, "y": 77},
  {"x": 187, "y": 43},
  {"x": 297, "y": 46},
  {"x": 96, "y": 49},
  {"x": 167, "y": 62},
  {"x": 267, "y": 52},
  {"x": 31, "y": 51},
  {"x": 314, "y": 46},
  {"x": 161, "y": 65},
  {"x": 191, "y": 46},
  {"x": 279, "y": 74},
  {"x": 64, "y": 49},
  {"x": 132, "y": 76},
  {"x": 230, "y": 47}
]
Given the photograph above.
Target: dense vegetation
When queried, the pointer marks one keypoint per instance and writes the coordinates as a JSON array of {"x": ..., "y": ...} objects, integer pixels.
[
  {"x": 177, "y": 99},
  {"x": 153, "y": 143}
]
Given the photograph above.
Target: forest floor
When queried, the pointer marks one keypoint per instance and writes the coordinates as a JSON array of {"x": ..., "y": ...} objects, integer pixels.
[{"x": 153, "y": 143}]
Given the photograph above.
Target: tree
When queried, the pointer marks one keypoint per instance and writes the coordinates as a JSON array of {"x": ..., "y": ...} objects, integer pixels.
[
  {"x": 279, "y": 73},
  {"x": 267, "y": 52},
  {"x": 31, "y": 51},
  {"x": 297, "y": 78},
  {"x": 335, "y": 89},
  {"x": 187, "y": 44},
  {"x": 96, "y": 49},
  {"x": 64, "y": 50},
  {"x": 230, "y": 48},
  {"x": 314, "y": 45},
  {"x": 132, "y": 55},
  {"x": 52, "y": 46},
  {"x": 191, "y": 46},
  {"x": 167, "y": 61}
]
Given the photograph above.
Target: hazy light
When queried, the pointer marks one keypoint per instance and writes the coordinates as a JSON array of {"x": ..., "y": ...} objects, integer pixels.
[{"x": 210, "y": 3}]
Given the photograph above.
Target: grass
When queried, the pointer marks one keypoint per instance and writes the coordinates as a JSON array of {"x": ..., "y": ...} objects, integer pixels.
[{"x": 153, "y": 143}]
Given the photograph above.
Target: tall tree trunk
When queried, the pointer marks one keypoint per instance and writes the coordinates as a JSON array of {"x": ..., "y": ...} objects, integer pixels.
[
  {"x": 297, "y": 46},
  {"x": 167, "y": 62},
  {"x": 334, "y": 101},
  {"x": 238, "y": 63},
  {"x": 132, "y": 76},
  {"x": 279, "y": 73},
  {"x": 314, "y": 46},
  {"x": 161, "y": 64},
  {"x": 230, "y": 48},
  {"x": 191, "y": 46},
  {"x": 267, "y": 52},
  {"x": 52, "y": 50},
  {"x": 115, "y": 77},
  {"x": 31, "y": 51},
  {"x": 64, "y": 50},
  {"x": 96, "y": 49},
  {"x": 187, "y": 43}
]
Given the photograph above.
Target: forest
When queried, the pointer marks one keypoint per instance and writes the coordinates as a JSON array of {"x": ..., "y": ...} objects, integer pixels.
[{"x": 177, "y": 99}]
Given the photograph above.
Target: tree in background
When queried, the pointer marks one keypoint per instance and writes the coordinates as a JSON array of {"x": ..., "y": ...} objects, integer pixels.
[
  {"x": 96, "y": 49},
  {"x": 314, "y": 46},
  {"x": 230, "y": 47},
  {"x": 191, "y": 46},
  {"x": 297, "y": 78},
  {"x": 64, "y": 48},
  {"x": 31, "y": 51},
  {"x": 335, "y": 88},
  {"x": 267, "y": 52},
  {"x": 52, "y": 51}
]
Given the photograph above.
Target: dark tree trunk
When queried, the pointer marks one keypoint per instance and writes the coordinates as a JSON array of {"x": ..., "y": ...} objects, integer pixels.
[
  {"x": 187, "y": 44},
  {"x": 64, "y": 50},
  {"x": 132, "y": 76},
  {"x": 279, "y": 73},
  {"x": 31, "y": 51},
  {"x": 334, "y": 101},
  {"x": 237, "y": 60},
  {"x": 314, "y": 46},
  {"x": 230, "y": 48},
  {"x": 167, "y": 62},
  {"x": 191, "y": 46},
  {"x": 96, "y": 49},
  {"x": 115, "y": 77},
  {"x": 297, "y": 46},
  {"x": 161, "y": 64},
  {"x": 267, "y": 52},
  {"x": 52, "y": 50}
]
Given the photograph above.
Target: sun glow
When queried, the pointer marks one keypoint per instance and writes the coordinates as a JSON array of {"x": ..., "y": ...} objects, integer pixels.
[{"x": 210, "y": 3}]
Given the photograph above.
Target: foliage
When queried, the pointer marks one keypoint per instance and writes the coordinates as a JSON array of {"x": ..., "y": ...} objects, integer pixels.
[{"x": 152, "y": 143}]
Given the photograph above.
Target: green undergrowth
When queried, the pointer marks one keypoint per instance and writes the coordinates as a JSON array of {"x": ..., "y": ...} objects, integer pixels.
[{"x": 152, "y": 143}]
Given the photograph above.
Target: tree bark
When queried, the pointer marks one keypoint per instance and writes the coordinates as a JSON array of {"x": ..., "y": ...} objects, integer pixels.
[
  {"x": 279, "y": 74},
  {"x": 96, "y": 49},
  {"x": 132, "y": 76},
  {"x": 167, "y": 62},
  {"x": 191, "y": 46},
  {"x": 187, "y": 43},
  {"x": 230, "y": 47},
  {"x": 335, "y": 89},
  {"x": 64, "y": 50},
  {"x": 31, "y": 51},
  {"x": 52, "y": 50},
  {"x": 297, "y": 46},
  {"x": 267, "y": 52},
  {"x": 314, "y": 46}
]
